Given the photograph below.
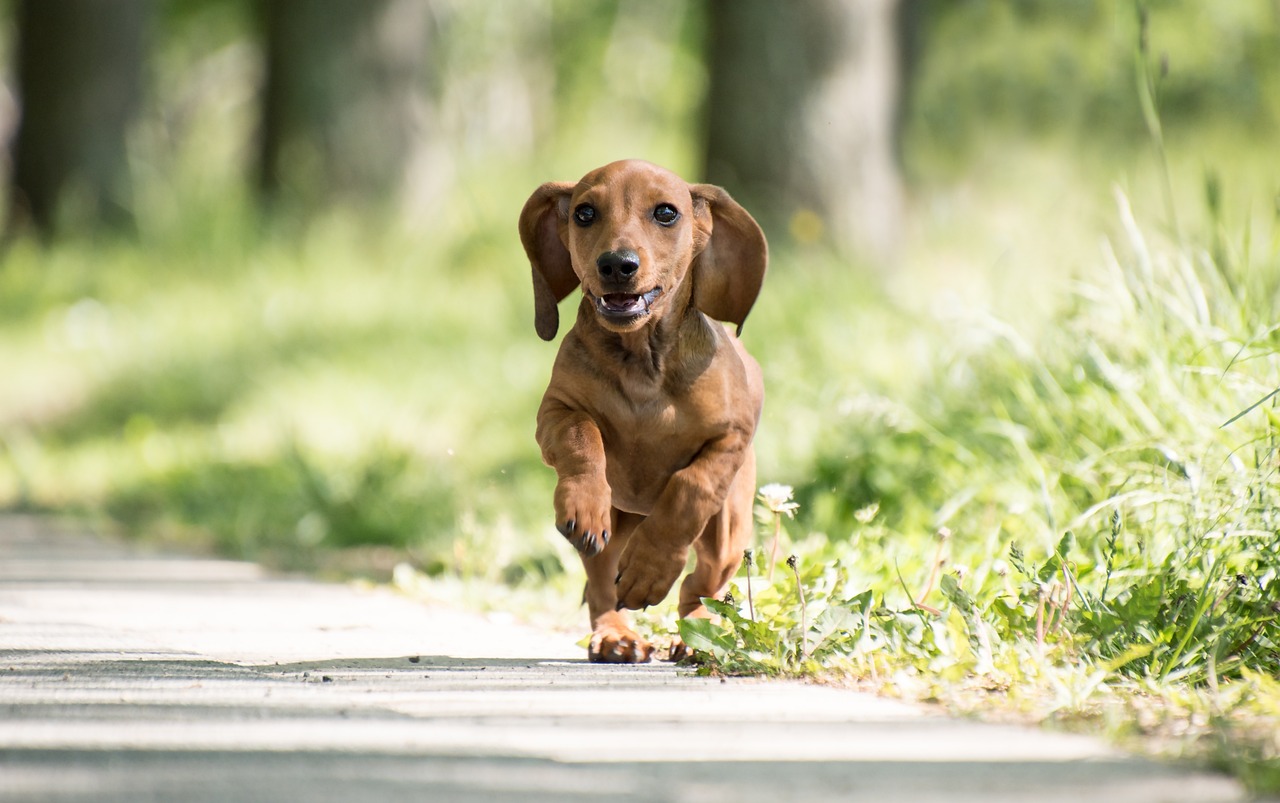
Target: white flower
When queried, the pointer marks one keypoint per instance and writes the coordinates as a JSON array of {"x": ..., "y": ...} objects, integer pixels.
[{"x": 777, "y": 498}]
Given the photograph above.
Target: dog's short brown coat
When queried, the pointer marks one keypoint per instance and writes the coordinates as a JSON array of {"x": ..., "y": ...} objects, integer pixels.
[{"x": 652, "y": 406}]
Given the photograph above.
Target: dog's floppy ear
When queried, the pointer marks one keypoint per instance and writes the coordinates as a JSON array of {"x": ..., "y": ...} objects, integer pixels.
[
  {"x": 729, "y": 270},
  {"x": 553, "y": 276}
]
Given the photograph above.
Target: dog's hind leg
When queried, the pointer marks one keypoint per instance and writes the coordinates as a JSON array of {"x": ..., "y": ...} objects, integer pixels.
[{"x": 719, "y": 549}]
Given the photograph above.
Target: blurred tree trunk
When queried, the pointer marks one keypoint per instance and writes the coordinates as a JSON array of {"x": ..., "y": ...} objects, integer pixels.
[
  {"x": 343, "y": 104},
  {"x": 79, "y": 73},
  {"x": 802, "y": 116}
]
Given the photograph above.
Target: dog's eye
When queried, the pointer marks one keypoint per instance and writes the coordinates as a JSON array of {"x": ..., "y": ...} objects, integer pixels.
[
  {"x": 584, "y": 215},
  {"x": 665, "y": 214}
]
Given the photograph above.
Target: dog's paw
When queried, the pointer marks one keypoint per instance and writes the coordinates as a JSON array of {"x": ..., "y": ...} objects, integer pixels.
[
  {"x": 646, "y": 573},
  {"x": 583, "y": 506},
  {"x": 613, "y": 642}
]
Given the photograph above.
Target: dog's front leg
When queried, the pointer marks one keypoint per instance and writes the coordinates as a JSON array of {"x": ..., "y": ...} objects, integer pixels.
[
  {"x": 571, "y": 444},
  {"x": 657, "y": 551}
]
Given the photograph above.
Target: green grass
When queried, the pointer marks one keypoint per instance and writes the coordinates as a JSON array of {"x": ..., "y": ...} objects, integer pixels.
[{"x": 1075, "y": 523}]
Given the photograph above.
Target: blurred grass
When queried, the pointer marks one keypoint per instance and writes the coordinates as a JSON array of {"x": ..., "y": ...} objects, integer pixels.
[{"x": 323, "y": 389}]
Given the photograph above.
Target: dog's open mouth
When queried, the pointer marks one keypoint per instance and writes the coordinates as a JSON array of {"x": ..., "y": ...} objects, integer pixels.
[{"x": 627, "y": 305}]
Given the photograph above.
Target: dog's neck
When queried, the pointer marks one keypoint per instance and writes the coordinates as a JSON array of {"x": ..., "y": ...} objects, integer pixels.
[{"x": 674, "y": 346}]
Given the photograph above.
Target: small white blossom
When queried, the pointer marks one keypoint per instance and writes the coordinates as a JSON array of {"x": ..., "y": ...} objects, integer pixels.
[{"x": 777, "y": 498}]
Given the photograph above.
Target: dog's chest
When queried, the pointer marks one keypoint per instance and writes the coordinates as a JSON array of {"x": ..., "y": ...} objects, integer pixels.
[{"x": 645, "y": 445}]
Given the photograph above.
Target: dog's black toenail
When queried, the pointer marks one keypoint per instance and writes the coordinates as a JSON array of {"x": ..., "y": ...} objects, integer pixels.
[{"x": 620, "y": 605}]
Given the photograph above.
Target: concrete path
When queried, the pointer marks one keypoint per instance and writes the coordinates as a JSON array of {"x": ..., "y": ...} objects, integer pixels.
[{"x": 134, "y": 677}]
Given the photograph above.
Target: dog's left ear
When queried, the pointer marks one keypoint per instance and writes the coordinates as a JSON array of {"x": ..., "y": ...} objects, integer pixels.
[
  {"x": 553, "y": 278},
  {"x": 729, "y": 269}
]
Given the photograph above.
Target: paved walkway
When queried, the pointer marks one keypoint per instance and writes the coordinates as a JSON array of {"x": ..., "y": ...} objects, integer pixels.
[{"x": 134, "y": 677}]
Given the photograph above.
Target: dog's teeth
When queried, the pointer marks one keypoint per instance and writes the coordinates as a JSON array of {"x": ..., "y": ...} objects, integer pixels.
[{"x": 626, "y": 303}]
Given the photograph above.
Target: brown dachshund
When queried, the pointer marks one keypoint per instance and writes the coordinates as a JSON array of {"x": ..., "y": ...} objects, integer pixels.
[{"x": 652, "y": 405}]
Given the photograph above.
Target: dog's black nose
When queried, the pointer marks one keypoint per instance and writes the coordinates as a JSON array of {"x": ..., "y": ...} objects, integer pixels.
[{"x": 618, "y": 264}]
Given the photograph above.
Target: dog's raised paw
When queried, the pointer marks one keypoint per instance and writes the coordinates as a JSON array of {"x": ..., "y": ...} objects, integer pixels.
[{"x": 583, "y": 513}]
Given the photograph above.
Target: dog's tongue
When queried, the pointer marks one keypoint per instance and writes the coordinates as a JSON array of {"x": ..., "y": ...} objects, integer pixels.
[
  {"x": 623, "y": 302},
  {"x": 627, "y": 303}
]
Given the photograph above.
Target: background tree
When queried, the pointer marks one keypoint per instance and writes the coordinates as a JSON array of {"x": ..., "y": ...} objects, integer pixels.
[
  {"x": 342, "y": 103},
  {"x": 802, "y": 115},
  {"x": 79, "y": 75}
]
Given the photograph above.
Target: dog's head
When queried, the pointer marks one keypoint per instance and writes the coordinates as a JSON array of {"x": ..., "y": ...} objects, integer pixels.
[{"x": 631, "y": 233}]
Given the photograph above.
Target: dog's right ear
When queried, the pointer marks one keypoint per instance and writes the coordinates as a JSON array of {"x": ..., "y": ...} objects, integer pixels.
[{"x": 541, "y": 222}]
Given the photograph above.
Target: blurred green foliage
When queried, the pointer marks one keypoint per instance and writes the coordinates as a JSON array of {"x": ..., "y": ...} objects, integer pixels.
[{"x": 1065, "y": 70}]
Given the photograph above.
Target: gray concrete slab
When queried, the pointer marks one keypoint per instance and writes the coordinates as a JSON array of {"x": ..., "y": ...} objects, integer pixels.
[{"x": 133, "y": 677}]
